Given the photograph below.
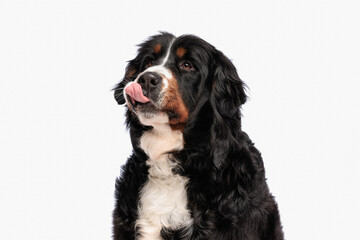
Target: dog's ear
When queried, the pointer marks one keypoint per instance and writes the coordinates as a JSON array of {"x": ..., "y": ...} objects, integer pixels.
[
  {"x": 228, "y": 92},
  {"x": 130, "y": 75}
]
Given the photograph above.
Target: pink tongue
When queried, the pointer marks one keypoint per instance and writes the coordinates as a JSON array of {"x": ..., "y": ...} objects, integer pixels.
[{"x": 135, "y": 92}]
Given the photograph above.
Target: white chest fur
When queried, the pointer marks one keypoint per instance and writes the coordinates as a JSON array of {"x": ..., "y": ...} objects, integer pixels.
[{"x": 163, "y": 199}]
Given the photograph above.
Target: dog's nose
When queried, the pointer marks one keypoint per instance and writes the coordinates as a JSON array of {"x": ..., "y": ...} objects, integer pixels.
[{"x": 149, "y": 81}]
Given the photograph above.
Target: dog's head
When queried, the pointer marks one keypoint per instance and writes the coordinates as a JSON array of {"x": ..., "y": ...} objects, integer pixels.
[{"x": 179, "y": 81}]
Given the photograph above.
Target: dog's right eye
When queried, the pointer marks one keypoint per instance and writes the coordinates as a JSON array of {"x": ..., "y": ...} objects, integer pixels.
[{"x": 150, "y": 63}]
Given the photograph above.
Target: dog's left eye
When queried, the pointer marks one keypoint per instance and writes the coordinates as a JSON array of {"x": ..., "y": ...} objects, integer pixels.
[{"x": 186, "y": 66}]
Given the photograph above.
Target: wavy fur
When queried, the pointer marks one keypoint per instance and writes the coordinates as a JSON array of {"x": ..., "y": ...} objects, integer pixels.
[{"x": 227, "y": 196}]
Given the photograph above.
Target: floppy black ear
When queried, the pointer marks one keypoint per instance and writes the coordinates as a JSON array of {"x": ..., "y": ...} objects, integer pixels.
[
  {"x": 227, "y": 95},
  {"x": 228, "y": 89},
  {"x": 118, "y": 93},
  {"x": 130, "y": 75}
]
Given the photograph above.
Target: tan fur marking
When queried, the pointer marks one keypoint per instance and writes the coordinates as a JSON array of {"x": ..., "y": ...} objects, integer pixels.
[
  {"x": 157, "y": 48},
  {"x": 180, "y": 52},
  {"x": 173, "y": 102}
]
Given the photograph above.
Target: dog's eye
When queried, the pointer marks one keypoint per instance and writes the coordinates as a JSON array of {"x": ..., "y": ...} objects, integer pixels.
[
  {"x": 186, "y": 66},
  {"x": 150, "y": 63}
]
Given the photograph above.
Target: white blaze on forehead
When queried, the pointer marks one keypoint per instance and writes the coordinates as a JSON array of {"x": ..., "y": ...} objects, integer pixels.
[
  {"x": 161, "y": 69},
  {"x": 167, "y": 53}
]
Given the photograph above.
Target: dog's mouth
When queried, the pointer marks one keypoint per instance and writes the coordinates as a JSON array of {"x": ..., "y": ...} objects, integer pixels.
[
  {"x": 148, "y": 105},
  {"x": 134, "y": 91},
  {"x": 147, "y": 109},
  {"x": 141, "y": 103}
]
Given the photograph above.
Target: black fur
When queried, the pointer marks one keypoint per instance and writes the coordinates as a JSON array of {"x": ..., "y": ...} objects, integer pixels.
[{"x": 228, "y": 196}]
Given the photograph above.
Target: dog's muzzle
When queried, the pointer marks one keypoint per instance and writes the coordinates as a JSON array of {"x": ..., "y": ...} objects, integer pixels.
[
  {"x": 151, "y": 84},
  {"x": 145, "y": 93}
]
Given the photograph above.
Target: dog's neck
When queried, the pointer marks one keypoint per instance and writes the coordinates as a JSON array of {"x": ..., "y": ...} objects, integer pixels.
[{"x": 159, "y": 141}]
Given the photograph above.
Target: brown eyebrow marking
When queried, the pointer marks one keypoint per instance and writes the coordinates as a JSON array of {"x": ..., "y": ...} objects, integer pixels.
[
  {"x": 180, "y": 52},
  {"x": 157, "y": 48}
]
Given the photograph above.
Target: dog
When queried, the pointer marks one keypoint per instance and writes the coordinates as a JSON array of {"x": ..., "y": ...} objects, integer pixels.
[{"x": 193, "y": 173}]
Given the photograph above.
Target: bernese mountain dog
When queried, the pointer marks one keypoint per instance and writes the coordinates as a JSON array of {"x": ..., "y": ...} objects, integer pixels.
[{"x": 193, "y": 173}]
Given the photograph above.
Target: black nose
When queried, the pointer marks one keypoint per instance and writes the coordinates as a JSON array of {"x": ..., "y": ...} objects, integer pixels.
[{"x": 149, "y": 81}]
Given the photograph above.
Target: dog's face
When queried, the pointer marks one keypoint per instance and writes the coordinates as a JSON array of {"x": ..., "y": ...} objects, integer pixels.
[{"x": 177, "y": 76}]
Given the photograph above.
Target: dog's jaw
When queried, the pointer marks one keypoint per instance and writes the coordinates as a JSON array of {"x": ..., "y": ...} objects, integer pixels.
[{"x": 158, "y": 120}]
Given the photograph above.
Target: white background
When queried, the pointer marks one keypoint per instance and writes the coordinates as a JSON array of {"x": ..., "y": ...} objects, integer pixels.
[{"x": 62, "y": 138}]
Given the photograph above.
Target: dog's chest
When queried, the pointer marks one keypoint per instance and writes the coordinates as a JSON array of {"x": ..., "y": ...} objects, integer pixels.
[{"x": 163, "y": 198}]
